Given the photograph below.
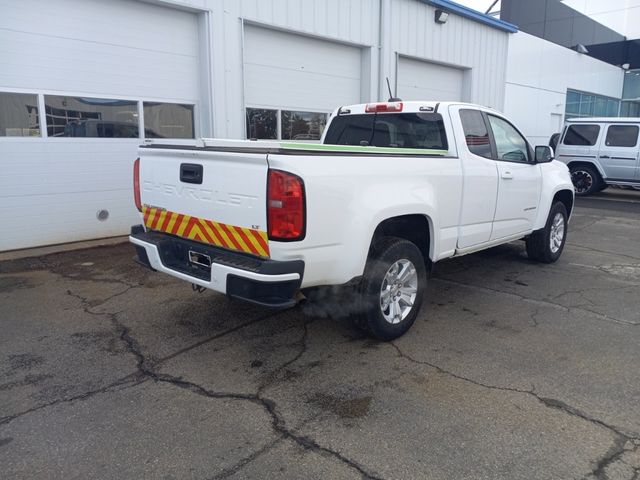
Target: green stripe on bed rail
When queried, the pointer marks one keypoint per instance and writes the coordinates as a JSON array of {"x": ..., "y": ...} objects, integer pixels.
[{"x": 359, "y": 149}]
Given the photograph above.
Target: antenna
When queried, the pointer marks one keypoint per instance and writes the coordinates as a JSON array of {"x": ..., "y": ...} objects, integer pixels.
[
  {"x": 492, "y": 5},
  {"x": 391, "y": 97}
]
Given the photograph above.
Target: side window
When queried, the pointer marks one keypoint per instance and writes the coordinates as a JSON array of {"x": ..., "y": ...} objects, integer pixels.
[
  {"x": 583, "y": 135},
  {"x": 622, "y": 136},
  {"x": 168, "y": 120},
  {"x": 90, "y": 117},
  {"x": 302, "y": 125},
  {"x": 262, "y": 123},
  {"x": 510, "y": 145},
  {"x": 475, "y": 132},
  {"x": 19, "y": 115}
]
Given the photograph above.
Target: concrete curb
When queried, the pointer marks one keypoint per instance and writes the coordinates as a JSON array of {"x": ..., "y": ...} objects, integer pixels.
[{"x": 63, "y": 247}]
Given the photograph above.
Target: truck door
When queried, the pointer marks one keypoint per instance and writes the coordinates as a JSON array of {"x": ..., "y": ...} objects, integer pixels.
[
  {"x": 519, "y": 180},
  {"x": 480, "y": 184},
  {"x": 618, "y": 153}
]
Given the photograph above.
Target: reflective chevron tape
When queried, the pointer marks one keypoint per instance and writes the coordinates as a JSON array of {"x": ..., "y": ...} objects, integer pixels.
[{"x": 240, "y": 239}]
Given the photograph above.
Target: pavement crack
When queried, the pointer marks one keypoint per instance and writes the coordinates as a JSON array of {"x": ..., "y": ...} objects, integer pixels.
[
  {"x": 125, "y": 383},
  {"x": 238, "y": 466},
  {"x": 217, "y": 336},
  {"x": 302, "y": 344},
  {"x": 278, "y": 424},
  {"x": 543, "y": 303},
  {"x": 146, "y": 370},
  {"x": 591, "y": 249},
  {"x": 621, "y": 438},
  {"x": 616, "y": 454}
]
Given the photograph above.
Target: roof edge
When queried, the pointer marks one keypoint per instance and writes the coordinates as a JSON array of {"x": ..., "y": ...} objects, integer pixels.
[{"x": 473, "y": 15}]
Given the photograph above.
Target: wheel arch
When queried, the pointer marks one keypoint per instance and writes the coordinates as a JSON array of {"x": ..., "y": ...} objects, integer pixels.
[
  {"x": 567, "y": 198},
  {"x": 577, "y": 163},
  {"x": 416, "y": 228}
]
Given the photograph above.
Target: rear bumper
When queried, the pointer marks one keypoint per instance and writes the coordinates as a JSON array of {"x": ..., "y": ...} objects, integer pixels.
[{"x": 265, "y": 282}]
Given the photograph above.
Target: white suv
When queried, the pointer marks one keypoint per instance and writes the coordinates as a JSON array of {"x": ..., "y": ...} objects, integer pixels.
[{"x": 601, "y": 152}]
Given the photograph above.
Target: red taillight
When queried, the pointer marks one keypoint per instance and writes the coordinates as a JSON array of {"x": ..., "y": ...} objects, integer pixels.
[
  {"x": 136, "y": 184},
  {"x": 383, "y": 107},
  {"x": 285, "y": 206}
]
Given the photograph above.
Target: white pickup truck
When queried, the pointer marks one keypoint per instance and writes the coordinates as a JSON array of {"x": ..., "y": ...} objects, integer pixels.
[{"x": 391, "y": 189}]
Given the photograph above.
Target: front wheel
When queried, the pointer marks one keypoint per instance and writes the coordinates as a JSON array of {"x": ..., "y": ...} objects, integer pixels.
[
  {"x": 392, "y": 288},
  {"x": 546, "y": 245}
]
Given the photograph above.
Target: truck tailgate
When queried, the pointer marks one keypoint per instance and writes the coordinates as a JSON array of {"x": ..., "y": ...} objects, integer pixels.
[{"x": 213, "y": 197}]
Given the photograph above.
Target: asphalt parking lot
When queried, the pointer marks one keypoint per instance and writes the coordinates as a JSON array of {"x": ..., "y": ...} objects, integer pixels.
[{"x": 514, "y": 370}]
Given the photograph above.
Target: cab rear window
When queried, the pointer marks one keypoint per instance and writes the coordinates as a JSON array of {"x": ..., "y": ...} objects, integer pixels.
[{"x": 400, "y": 130}]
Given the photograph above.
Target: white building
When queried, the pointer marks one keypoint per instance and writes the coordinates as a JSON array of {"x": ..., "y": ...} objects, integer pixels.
[
  {"x": 82, "y": 82},
  {"x": 543, "y": 77},
  {"x": 571, "y": 58}
]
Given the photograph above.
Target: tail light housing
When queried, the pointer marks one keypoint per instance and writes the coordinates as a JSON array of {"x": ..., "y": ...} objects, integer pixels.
[
  {"x": 285, "y": 206},
  {"x": 136, "y": 184},
  {"x": 383, "y": 107}
]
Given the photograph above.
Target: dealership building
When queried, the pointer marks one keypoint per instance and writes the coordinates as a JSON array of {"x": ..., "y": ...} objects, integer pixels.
[{"x": 84, "y": 82}]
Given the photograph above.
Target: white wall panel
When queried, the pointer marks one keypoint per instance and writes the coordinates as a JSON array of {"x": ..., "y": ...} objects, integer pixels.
[
  {"x": 119, "y": 47},
  {"x": 418, "y": 80},
  {"x": 538, "y": 76},
  {"x": 195, "y": 51},
  {"x": 285, "y": 70},
  {"x": 352, "y": 22},
  {"x": 463, "y": 43},
  {"x": 52, "y": 188}
]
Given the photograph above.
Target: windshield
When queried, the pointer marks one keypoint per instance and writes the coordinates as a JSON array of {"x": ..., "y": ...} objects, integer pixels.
[{"x": 400, "y": 130}]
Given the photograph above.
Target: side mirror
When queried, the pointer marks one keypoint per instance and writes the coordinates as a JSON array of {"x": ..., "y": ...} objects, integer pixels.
[{"x": 544, "y": 154}]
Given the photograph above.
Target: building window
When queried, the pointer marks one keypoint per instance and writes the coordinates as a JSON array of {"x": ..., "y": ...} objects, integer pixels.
[
  {"x": 583, "y": 135},
  {"x": 19, "y": 115},
  {"x": 630, "y": 108},
  {"x": 302, "y": 125},
  {"x": 622, "y": 136},
  {"x": 271, "y": 124},
  {"x": 262, "y": 123},
  {"x": 91, "y": 117},
  {"x": 168, "y": 120},
  {"x": 631, "y": 86},
  {"x": 582, "y": 104}
]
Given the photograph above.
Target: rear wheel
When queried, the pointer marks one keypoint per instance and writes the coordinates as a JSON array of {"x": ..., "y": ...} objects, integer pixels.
[
  {"x": 392, "y": 288},
  {"x": 586, "y": 179},
  {"x": 546, "y": 245}
]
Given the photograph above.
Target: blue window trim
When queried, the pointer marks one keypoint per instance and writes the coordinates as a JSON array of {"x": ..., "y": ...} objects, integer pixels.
[{"x": 473, "y": 15}]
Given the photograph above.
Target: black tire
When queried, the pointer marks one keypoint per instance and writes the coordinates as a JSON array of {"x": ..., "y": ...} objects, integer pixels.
[
  {"x": 539, "y": 243},
  {"x": 586, "y": 179},
  {"x": 386, "y": 253}
]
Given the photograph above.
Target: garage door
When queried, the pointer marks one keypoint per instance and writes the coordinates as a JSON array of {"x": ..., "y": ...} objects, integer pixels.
[
  {"x": 89, "y": 64},
  {"x": 284, "y": 70},
  {"x": 418, "y": 80}
]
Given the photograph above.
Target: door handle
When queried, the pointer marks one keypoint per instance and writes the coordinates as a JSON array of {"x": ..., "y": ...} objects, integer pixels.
[
  {"x": 605, "y": 156},
  {"x": 507, "y": 175}
]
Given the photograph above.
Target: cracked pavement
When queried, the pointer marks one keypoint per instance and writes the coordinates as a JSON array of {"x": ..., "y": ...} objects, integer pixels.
[{"x": 513, "y": 370}]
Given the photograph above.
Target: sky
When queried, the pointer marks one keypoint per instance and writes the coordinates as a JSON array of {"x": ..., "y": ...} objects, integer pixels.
[{"x": 480, "y": 5}]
